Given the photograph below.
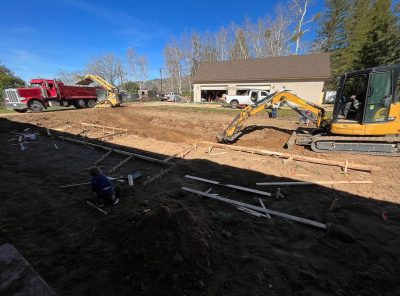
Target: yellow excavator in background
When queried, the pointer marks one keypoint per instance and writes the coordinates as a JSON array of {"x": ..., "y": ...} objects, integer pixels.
[
  {"x": 111, "y": 97},
  {"x": 372, "y": 126}
]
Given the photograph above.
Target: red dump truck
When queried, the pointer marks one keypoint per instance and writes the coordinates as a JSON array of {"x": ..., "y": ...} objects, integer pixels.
[{"x": 44, "y": 93}]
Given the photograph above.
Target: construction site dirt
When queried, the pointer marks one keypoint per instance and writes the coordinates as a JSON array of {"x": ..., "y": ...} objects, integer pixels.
[{"x": 160, "y": 240}]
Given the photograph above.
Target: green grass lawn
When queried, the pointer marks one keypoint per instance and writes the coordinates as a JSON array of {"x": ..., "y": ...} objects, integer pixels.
[{"x": 4, "y": 110}]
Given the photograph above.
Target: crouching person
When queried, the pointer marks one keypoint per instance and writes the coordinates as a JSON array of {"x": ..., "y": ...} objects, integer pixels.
[{"x": 102, "y": 188}]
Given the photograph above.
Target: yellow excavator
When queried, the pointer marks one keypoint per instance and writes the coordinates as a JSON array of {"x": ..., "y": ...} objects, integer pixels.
[
  {"x": 365, "y": 119},
  {"x": 111, "y": 97}
]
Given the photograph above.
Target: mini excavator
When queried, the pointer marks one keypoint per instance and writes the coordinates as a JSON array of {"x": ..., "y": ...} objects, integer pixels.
[
  {"x": 111, "y": 97},
  {"x": 372, "y": 126}
]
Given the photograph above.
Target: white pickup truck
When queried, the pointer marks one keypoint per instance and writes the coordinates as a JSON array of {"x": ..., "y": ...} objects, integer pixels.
[{"x": 249, "y": 98}]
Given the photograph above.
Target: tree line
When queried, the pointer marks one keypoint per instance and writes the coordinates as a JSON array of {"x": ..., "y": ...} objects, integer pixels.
[{"x": 357, "y": 33}]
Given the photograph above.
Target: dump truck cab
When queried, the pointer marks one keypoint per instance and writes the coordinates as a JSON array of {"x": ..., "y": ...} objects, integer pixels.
[{"x": 43, "y": 93}]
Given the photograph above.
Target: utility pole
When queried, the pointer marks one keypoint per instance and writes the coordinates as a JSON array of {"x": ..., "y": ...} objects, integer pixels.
[{"x": 161, "y": 79}]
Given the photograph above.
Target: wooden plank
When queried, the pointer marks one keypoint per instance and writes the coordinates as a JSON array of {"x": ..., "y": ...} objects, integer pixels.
[
  {"x": 102, "y": 126},
  {"x": 163, "y": 172},
  {"x": 170, "y": 157},
  {"x": 106, "y": 136},
  {"x": 75, "y": 185},
  {"x": 229, "y": 185},
  {"x": 103, "y": 157},
  {"x": 258, "y": 209},
  {"x": 190, "y": 149},
  {"x": 353, "y": 166},
  {"x": 138, "y": 156},
  {"x": 295, "y": 183},
  {"x": 121, "y": 163},
  {"x": 251, "y": 212},
  {"x": 96, "y": 207}
]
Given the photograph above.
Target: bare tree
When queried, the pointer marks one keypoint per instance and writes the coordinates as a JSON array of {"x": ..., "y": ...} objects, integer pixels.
[
  {"x": 256, "y": 37},
  {"x": 174, "y": 59},
  {"x": 69, "y": 77},
  {"x": 209, "y": 49},
  {"x": 138, "y": 67},
  {"x": 299, "y": 9},
  {"x": 277, "y": 35},
  {"x": 240, "y": 49},
  {"x": 109, "y": 67},
  {"x": 223, "y": 44}
]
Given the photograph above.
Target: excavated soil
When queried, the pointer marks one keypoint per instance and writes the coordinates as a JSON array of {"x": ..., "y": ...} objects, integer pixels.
[{"x": 160, "y": 240}]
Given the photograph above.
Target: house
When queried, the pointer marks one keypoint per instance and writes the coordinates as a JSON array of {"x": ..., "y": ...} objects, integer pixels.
[{"x": 303, "y": 74}]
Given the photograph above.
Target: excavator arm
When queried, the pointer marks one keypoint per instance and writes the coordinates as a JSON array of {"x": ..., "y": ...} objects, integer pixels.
[
  {"x": 113, "y": 97},
  {"x": 235, "y": 128},
  {"x": 90, "y": 78}
]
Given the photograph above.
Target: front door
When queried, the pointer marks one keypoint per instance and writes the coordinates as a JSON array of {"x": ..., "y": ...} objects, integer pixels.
[{"x": 51, "y": 90}]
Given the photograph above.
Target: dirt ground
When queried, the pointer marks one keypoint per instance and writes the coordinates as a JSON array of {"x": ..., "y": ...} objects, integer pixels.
[{"x": 160, "y": 240}]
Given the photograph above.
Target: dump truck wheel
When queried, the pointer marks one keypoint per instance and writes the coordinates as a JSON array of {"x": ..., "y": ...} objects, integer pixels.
[
  {"x": 90, "y": 103},
  {"x": 80, "y": 104},
  {"x": 36, "y": 106},
  {"x": 234, "y": 104}
]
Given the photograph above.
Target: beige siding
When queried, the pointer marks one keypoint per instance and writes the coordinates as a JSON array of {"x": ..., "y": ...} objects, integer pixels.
[{"x": 308, "y": 90}]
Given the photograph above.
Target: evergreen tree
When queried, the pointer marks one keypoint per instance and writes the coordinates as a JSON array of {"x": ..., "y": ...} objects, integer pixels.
[
  {"x": 332, "y": 35},
  {"x": 358, "y": 27},
  {"x": 383, "y": 43}
]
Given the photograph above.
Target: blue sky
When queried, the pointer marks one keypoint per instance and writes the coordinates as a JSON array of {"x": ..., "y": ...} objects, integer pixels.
[{"x": 40, "y": 38}]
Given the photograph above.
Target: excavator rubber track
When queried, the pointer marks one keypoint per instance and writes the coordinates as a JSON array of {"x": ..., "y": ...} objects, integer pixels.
[{"x": 385, "y": 145}]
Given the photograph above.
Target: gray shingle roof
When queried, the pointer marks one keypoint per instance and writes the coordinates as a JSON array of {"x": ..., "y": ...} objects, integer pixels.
[{"x": 310, "y": 66}]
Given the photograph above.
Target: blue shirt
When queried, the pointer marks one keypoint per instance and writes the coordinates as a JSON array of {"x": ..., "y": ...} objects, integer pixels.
[{"x": 102, "y": 185}]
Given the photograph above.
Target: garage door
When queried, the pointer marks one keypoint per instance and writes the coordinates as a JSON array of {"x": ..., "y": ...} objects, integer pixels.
[
  {"x": 214, "y": 87},
  {"x": 260, "y": 86}
]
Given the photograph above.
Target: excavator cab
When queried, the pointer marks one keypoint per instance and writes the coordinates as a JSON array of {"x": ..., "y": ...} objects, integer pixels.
[{"x": 365, "y": 100}]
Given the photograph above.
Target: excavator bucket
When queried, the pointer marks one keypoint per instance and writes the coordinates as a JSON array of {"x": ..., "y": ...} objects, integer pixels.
[{"x": 85, "y": 81}]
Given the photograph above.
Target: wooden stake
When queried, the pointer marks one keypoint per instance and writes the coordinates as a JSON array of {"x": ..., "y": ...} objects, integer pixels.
[
  {"x": 229, "y": 185},
  {"x": 279, "y": 194},
  {"x": 258, "y": 209},
  {"x": 296, "y": 183},
  {"x": 353, "y": 166},
  {"x": 288, "y": 160},
  {"x": 346, "y": 165},
  {"x": 263, "y": 206},
  {"x": 121, "y": 163},
  {"x": 103, "y": 157},
  {"x": 96, "y": 207}
]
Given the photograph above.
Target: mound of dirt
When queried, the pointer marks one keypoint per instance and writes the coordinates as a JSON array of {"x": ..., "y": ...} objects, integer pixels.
[{"x": 169, "y": 251}]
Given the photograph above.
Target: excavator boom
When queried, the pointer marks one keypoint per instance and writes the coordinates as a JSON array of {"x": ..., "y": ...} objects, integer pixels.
[{"x": 275, "y": 100}]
